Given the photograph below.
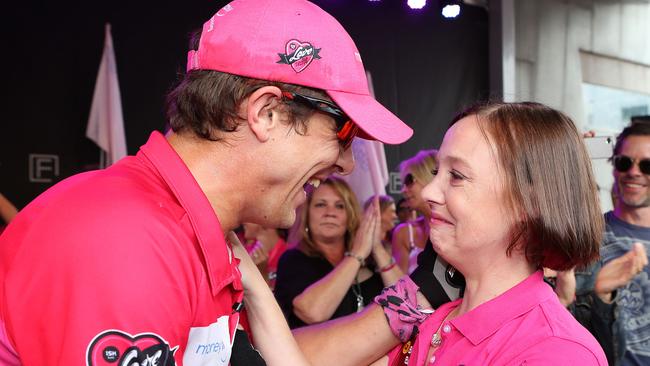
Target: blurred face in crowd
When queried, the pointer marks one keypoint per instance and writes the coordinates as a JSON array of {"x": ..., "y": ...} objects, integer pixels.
[
  {"x": 251, "y": 230},
  {"x": 388, "y": 218},
  {"x": 327, "y": 215},
  {"x": 633, "y": 186},
  {"x": 404, "y": 212},
  {"x": 466, "y": 197},
  {"x": 412, "y": 192}
]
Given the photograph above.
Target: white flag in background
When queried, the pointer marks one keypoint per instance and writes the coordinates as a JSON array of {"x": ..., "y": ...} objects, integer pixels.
[
  {"x": 370, "y": 174},
  {"x": 106, "y": 124}
]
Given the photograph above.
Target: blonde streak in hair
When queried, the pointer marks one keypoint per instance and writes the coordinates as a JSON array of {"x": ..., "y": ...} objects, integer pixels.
[
  {"x": 354, "y": 214},
  {"x": 425, "y": 169},
  {"x": 306, "y": 245},
  {"x": 420, "y": 166}
]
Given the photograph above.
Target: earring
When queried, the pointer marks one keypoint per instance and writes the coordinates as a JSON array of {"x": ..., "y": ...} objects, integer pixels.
[{"x": 451, "y": 271}]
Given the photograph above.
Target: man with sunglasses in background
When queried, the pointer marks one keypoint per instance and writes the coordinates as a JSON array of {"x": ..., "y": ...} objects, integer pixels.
[
  {"x": 613, "y": 296},
  {"x": 130, "y": 265}
]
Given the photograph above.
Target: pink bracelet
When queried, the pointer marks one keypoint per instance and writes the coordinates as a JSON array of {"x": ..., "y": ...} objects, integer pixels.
[{"x": 400, "y": 306}]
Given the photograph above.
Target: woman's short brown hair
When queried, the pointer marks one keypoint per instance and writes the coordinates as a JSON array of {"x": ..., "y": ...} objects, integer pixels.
[
  {"x": 352, "y": 210},
  {"x": 548, "y": 181}
]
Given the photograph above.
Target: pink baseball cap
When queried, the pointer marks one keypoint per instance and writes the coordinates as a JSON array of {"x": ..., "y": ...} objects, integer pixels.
[{"x": 295, "y": 42}]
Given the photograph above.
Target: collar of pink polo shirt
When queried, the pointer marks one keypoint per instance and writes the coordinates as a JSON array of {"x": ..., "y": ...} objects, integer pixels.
[{"x": 221, "y": 264}]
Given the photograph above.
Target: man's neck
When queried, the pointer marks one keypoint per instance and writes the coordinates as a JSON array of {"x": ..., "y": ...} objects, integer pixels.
[
  {"x": 214, "y": 175},
  {"x": 639, "y": 216}
]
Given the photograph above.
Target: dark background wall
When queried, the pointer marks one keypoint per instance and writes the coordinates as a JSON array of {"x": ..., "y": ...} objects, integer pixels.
[{"x": 424, "y": 69}]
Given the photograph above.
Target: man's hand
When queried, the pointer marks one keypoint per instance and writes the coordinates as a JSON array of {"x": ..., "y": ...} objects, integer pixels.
[{"x": 620, "y": 271}]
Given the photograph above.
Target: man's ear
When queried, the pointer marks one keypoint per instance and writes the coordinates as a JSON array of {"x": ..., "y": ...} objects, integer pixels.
[{"x": 260, "y": 110}]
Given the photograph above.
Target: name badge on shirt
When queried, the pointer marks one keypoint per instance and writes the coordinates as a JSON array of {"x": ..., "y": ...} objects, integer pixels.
[{"x": 209, "y": 345}]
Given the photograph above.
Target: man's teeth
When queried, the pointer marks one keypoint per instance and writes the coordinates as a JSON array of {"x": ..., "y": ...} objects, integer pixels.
[
  {"x": 314, "y": 182},
  {"x": 633, "y": 185}
]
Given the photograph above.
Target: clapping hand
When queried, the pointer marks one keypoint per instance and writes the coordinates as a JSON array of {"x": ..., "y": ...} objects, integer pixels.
[
  {"x": 369, "y": 231},
  {"x": 620, "y": 271}
]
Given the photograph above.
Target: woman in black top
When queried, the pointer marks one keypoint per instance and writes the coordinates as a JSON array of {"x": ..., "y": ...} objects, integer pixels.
[{"x": 326, "y": 276}]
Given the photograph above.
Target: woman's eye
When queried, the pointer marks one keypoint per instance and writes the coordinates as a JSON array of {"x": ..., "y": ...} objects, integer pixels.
[
  {"x": 320, "y": 204},
  {"x": 434, "y": 172},
  {"x": 456, "y": 175},
  {"x": 340, "y": 206}
]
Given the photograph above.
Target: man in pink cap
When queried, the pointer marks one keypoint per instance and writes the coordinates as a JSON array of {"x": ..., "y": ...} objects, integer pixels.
[{"x": 130, "y": 265}]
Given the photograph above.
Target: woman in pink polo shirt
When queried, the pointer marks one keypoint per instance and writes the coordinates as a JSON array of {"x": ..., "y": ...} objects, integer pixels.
[{"x": 512, "y": 192}]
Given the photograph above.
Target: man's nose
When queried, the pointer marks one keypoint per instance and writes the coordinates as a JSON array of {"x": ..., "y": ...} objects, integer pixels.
[{"x": 345, "y": 162}]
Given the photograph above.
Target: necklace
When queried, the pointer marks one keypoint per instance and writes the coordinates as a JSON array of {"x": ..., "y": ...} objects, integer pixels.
[
  {"x": 356, "y": 289},
  {"x": 404, "y": 356}
]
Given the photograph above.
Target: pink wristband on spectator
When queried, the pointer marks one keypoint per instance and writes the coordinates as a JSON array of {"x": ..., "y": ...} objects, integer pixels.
[{"x": 400, "y": 306}]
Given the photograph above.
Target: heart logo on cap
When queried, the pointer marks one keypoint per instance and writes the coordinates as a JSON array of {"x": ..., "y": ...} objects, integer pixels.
[
  {"x": 298, "y": 55},
  {"x": 117, "y": 348}
]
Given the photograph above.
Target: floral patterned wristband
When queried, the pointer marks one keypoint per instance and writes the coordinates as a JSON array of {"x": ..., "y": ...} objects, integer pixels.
[{"x": 400, "y": 306}]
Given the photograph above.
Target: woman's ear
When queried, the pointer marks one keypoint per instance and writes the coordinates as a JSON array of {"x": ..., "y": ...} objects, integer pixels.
[{"x": 260, "y": 111}]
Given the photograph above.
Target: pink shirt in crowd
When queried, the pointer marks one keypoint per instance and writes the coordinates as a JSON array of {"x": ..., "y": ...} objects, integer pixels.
[{"x": 526, "y": 325}]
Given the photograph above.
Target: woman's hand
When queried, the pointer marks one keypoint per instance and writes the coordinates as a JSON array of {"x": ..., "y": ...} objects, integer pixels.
[
  {"x": 250, "y": 274},
  {"x": 369, "y": 232},
  {"x": 272, "y": 335},
  {"x": 258, "y": 253}
]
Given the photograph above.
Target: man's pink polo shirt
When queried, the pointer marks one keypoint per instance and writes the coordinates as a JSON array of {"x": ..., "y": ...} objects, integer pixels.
[
  {"x": 526, "y": 325},
  {"x": 120, "y": 266}
]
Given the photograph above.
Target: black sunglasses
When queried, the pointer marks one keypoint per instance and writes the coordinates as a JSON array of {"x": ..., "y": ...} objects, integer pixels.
[
  {"x": 408, "y": 180},
  {"x": 624, "y": 163},
  {"x": 346, "y": 130}
]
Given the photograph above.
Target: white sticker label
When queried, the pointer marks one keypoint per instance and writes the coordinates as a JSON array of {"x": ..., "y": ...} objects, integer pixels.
[{"x": 209, "y": 345}]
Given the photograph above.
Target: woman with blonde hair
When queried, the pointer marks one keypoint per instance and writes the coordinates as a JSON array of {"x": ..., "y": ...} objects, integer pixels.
[
  {"x": 326, "y": 275},
  {"x": 410, "y": 238}
]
